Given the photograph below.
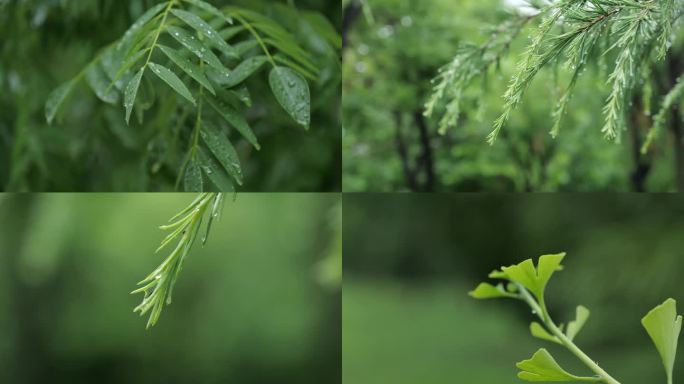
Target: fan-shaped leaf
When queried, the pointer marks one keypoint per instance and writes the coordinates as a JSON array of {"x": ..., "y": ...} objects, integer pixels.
[
  {"x": 534, "y": 279},
  {"x": 188, "y": 67},
  {"x": 540, "y": 332},
  {"x": 292, "y": 92},
  {"x": 663, "y": 326},
  {"x": 488, "y": 291},
  {"x": 234, "y": 118},
  {"x": 542, "y": 367},
  {"x": 56, "y": 99},
  {"x": 131, "y": 92},
  {"x": 193, "y": 177},
  {"x": 172, "y": 80},
  {"x": 575, "y": 326},
  {"x": 219, "y": 145},
  {"x": 205, "y": 30},
  {"x": 245, "y": 69},
  {"x": 197, "y": 48}
]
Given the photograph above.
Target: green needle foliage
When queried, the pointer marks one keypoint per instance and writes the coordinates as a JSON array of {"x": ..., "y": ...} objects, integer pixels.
[
  {"x": 184, "y": 228},
  {"x": 527, "y": 282},
  {"x": 631, "y": 35},
  {"x": 205, "y": 56}
]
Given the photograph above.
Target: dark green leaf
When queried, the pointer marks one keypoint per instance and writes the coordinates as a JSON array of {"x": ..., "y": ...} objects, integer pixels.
[
  {"x": 193, "y": 177},
  {"x": 234, "y": 118},
  {"x": 292, "y": 92},
  {"x": 197, "y": 48},
  {"x": 99, "y": 83},
  {"x": 211, "y": 9},
  {"x": 205, "y": 30},
  {"x": 219, "y": 145},
  {"x": 56, "y": 99},
  {"x": 188, "y": 67},
  {"x": 214, "y": 171},
  {"x": 172, "y": 80},
  {"x": 245, "y": 69},
  {"x": 131, "y": 92}
]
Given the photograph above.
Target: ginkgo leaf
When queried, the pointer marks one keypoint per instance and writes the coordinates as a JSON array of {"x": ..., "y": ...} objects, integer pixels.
[
  {"x": 193, "y": 177},
  {"x": 214, "y": 171},
  {"x": 197, "y": 48},
  {"x": 292, "y": 92},
  {"x": 244, "y": 70},
  {"x": 582, "y": 314},
  {"x": 488, "y": 291},
  {"x": 188, "y": 67},
  {"x": 99, "y": 83},
  {"x": 211, "y": 9},
  {"x": 538, "y": 331},
  {"x": 534, "y": 279},
  {"x": 224, "y": 151},
  {"x": 205, "y": 30},
  {"x": 56, "y": 99},
  {"x": 663, "y": 326},
  {"x": 542, "y": 367},
  {"x": 235, "y": 119},
  {"x": 172, "y": 80},
  {"x": 131, "y": 92}
]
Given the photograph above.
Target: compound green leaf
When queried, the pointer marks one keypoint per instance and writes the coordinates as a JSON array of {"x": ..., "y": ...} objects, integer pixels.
[
  {"x": 245, "y": 69},
  {"x": 193, "y": 177},
  {"x": 188, "y": 67},
  {"x": 205, "y": 30},
  {"x": 576, "y": 325},
  {"x": 292, "y": 92},
  {"x": 235, "y": 119},
  {"x": 56, "y": 99},
  {"x": 488, "y": 291},
  {"x": 172, "y": 80},
  {"x": 197, "y": 48},
  {"x": 131, "y": 92},
  {"x": 542, "y": 367},
  {"x": 663, "y": 326},
  {"x": 214, "y": 171},
  {"x": 538, "y": 331},
  {"x": 224, "y": 151},
  {"x": 211, "y": 9}
]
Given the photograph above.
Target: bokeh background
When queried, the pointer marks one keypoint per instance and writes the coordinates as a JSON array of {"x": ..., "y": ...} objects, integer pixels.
[
  {"x": 410, "y": 261},
  {"x": 47, "y": 42},
  {"x": 249, "y": 307},
  {"x": 394, "y": 48}
]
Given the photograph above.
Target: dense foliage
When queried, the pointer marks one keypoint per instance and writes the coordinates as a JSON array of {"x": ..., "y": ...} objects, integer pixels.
[
  {"x": 582, "y": 70},
  {"x": 214, "y": 94}
]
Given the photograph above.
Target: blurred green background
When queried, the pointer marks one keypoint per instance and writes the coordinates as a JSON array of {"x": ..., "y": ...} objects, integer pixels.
[
  {"x": 47, "y": 42},
  {"x": 248, "y": 307},
  {"x": 394, "y": 48},
  {"x": 411, "y": 259}
]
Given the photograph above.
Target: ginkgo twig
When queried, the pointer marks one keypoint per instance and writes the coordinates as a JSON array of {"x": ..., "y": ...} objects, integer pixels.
[{"x": 528, "y": 284}]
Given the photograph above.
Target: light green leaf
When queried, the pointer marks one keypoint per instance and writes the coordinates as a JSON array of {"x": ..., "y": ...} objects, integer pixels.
[
  {"x": 245, "y": 70},
  {"x": 56, "y": 99},
  {"x": 234, "y": 118},
  {"x": 205, "y": 30},
  {"x": 663, "y": 326},
  {"x": 131, "y": 92},
  {"x": 224, "y": 151},
  {"x": 488, "y": 291},
  {"x": 197, "y": 48},
  {"x": 172, "y": 80},
  {"x": 292, "y": 92},
  {"x": 193, "y": 177},
  {"x": 540, "y": 332},
  {"x": 214, "y": 171},
  {"x": 99, "y": 83},
  {"x": 211, "y": 9},
  {"x": 534, "y": 279},
  {"x": 575, "y": 326},
  {"x": 188, "y": 67},
  {"x": 542, "y": 367}
]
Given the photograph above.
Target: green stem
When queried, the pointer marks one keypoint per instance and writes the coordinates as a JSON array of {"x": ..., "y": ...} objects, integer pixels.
[
  {"x": 159, "y": 30},
  {"x": 541, "y": 311}
]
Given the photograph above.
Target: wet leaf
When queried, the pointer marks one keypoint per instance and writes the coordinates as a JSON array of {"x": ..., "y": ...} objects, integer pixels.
[
  {"x": 292, "y": 92},
  {"x": 172, "y": 80},
  {"x": 205, "y": 30},
  {"x": 224, "y": 151},
  {"x": 131, "y": 92},
  {"x": 188, "y": 67}
]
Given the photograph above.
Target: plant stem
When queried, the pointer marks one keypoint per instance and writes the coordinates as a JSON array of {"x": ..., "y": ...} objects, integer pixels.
[{"x": 541, "y": 311}]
